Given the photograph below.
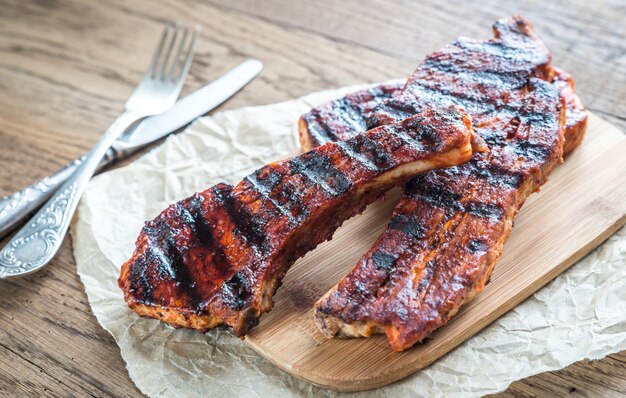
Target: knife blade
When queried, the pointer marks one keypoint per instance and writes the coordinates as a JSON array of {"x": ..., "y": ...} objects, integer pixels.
[
  {"x": 191, "y": 107},
  {"x": 19, "y": 205}
]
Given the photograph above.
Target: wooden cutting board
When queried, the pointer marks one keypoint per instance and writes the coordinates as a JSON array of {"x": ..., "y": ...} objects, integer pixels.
[{"x": 583, "y": 203}]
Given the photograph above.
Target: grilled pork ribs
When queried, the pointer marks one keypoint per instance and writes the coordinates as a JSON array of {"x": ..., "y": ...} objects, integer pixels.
[
  {"x": 447, "y": 232},
  {"x": 345, "y": 117},
  {"x": 219, "y": 256}
]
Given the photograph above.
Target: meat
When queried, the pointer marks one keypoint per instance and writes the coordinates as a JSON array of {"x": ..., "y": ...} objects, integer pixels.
[
  {"x": 219, "y": 256},
  {"x": 345, "y": 117},
  {"x": 447, "y": 232}
]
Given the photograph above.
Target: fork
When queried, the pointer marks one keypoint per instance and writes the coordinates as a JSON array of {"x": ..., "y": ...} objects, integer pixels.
[{"x": 40, "y": 239}]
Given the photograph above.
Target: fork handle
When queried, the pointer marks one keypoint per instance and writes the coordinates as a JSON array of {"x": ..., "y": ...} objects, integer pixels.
[{"x": 40, "y": 239}]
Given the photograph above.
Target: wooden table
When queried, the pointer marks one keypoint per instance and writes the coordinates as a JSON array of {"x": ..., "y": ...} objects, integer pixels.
[{"x": 67, "y": 67}]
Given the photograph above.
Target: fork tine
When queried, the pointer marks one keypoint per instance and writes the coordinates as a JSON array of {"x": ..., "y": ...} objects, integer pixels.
[
  {"x": 168, "y": 53},
  {"x": 188, "y": 57},
  {"x": 178, "y": 53},
  {"x": 157, "y": 53}
]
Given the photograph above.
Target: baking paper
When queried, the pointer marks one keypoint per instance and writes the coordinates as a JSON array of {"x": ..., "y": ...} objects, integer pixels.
[{"x": 578, "y": 315}]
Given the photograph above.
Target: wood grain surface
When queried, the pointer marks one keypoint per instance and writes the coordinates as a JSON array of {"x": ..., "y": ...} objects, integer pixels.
[
  {"x": 67, "y": 67},
  {"x": 547, "y": 239}
]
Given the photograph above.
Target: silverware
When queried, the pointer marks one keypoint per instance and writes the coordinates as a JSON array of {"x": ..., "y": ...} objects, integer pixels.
[
  {"x": 17, "y": 206},
  {"x": 39, "y": 240}
]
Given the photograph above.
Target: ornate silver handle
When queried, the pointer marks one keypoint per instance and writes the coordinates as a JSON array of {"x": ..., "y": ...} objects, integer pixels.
[
  {"x": 17, "y": 206},
  {"x": 39, "y": 240}
]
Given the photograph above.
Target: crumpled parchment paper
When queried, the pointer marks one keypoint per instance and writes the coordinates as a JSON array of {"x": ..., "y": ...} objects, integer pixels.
[{"x": 579, "y": 315}]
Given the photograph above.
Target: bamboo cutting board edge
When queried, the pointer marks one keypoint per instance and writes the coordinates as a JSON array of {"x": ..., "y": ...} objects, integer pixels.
[{"x": 316, "y": 375}]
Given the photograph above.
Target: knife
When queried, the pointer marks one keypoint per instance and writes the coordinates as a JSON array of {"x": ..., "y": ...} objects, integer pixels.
[{"x": 17, "y": 206}]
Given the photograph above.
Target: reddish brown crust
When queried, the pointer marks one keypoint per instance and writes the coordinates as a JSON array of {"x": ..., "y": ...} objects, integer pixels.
[
  {"x": 448, "y": 230},
  {"x": 343, "y": 118},
  {"x": 324, "y": 123},
  {"x": 219, "y": 256}
]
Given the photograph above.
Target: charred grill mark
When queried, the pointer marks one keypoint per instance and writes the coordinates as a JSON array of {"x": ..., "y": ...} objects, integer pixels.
[
  {"x": 405, "y": 107},
  {"x": 169, "y": 266},
  {"x": 267, "y": 178},
  {"x": 319, "y": 171},
  {"x": 395, "y": 110},
  {"x": 499, "y": 177},
  {"x": 140, "y": 285},
  {"x": 185, "y": 216},
  {"x": 477, "y": 245},
  {"x": 434, "y": 195},
  {"x": 537, "y": 118},
  {"x": 292, "y": 197},
  {"x": 474, "y": 104},
  {"x": 535, "y": 152},
  {"x": 425, "y": 134},
  {"x": 385, "y": 91},
  {"x": 350, "y": 114},
  {"x": 235, "y": 292},
  {"x": 348, "y": 148},
  {"x": 345, "y": 117},
  {"x": 487, "y": 77},
  {"x": 513, "y": 56},
  {"x": 367, "y": 152},
  {"x": 319, "y": 131},
  {"x": 487, "y": 210},
  {"x": 191, "y": 215},
  {"x": 168, "y": 258},
  {"x": 383, "y": 261},
  {"x": 408, "y": 225},
  {"x": 413, "y": 142},
  {"x": 476, "y": 85},
  {"x": 492, "y": 137},
  {"x": 378, "y": 156},
  {"x": 246, "y": 225},
  {"x": 264, "y": 188},
  {"x": 171, "y": 258},
  {"x": 204, "y": 236},
  {"x": 195, "y": 220}
]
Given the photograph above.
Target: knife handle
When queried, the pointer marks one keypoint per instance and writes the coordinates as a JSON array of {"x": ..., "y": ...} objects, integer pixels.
[
  {"x": 38, "y": 241},
  {"x": 17, "y": 206}
]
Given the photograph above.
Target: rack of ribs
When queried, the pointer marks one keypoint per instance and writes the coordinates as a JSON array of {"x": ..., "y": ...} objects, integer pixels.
[
  {"x": 345, "y": 117},
  {"x": 218, "y": 256},
  {"x": 447, "y": 232}
]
